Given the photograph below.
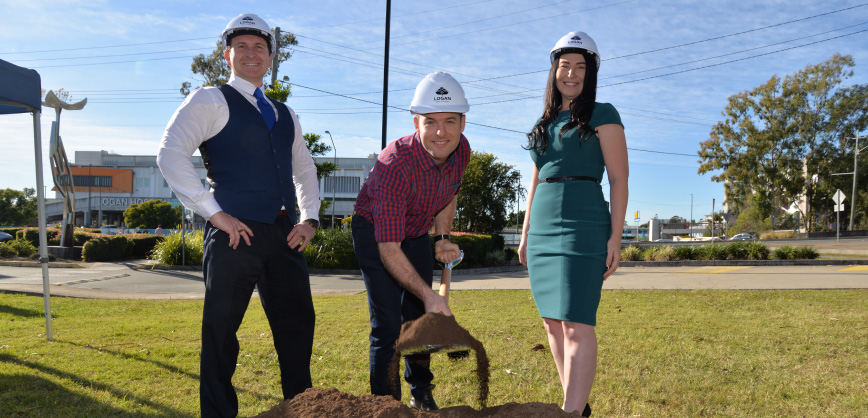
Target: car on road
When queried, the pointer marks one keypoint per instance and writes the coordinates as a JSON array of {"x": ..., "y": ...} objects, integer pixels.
[
  {"x": 5, "y": 237},
  {"x": 743, "y": 237}
]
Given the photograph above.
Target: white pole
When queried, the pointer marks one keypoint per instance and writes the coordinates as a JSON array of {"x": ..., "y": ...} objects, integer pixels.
[
  {"x": 43, "y": 240},
  {"x": 853, "y": 194}
]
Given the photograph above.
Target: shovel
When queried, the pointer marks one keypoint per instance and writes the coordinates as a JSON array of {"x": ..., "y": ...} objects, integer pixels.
[{"x": 453, "y": 351}]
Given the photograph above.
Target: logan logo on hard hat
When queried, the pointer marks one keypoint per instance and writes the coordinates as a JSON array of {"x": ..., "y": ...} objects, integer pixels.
[
  {"x": 433, "y": 95},
  {"x": 247, "y": 22},
  {"x": 576, "y": 40}
]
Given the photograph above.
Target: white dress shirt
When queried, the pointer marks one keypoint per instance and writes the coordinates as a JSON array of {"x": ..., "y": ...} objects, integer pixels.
[{"x": 202, "y": 116}]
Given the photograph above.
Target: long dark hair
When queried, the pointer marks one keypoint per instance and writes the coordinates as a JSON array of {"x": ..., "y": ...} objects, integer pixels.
[{"x": 581, "y": 108}]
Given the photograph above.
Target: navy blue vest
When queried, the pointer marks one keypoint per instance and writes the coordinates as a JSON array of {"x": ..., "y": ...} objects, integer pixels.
[{"x": 250, "y": 168}]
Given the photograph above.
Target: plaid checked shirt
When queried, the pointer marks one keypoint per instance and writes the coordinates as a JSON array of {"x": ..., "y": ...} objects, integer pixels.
[{"x": 406, "y": 189}]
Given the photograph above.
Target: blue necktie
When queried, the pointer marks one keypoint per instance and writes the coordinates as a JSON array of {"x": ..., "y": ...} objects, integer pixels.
[{"x": 265, "y": 108}]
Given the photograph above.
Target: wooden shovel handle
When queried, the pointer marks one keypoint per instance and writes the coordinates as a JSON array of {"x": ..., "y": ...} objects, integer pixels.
[{"x": 445, "y": 279}]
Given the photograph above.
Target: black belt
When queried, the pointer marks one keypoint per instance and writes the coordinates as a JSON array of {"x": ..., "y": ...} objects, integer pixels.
[{"x": 569, "y": 178}]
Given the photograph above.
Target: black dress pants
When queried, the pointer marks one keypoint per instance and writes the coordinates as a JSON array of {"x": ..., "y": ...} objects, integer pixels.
[{"x": 281, "y": 276}]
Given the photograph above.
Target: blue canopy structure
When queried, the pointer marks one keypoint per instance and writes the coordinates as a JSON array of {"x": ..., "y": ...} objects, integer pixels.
[
  {"x": 21, "y": 89},
  {"x": 21, "y": 92}
]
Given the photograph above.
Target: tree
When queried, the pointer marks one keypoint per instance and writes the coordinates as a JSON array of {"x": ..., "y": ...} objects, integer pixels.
[
  {"x": 511, "y": 219},
  {"x": 777, "y": 132},
  {"x": 324, "y": 169},
  {"x": 488, "y": 189},
  {"x": 151, "y": 213},
  {"x": 754, "y": 217},
  {"x": 215, "y": 71},
  {"x": 17, "y": 208}
]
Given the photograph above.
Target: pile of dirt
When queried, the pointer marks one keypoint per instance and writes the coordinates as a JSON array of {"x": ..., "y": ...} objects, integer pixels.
[
  {"x": 431, "y": 329},
  {"x": 331, "y": 403},
  {"x": 435, "y": 329}
]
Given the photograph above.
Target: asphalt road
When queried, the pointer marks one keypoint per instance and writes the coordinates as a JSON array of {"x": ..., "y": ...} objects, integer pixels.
[{"x": 124, "y": 281}]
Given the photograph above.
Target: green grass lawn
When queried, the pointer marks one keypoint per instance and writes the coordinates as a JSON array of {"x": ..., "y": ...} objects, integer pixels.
[{"x": 708, "y": 353}]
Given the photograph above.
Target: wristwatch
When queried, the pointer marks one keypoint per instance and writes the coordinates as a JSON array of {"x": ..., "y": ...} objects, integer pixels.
[
  {"x": 440, "y": 237},
  {"x": 312, "y": 222}
]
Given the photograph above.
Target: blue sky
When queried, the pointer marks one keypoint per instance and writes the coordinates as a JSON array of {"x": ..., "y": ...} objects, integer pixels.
[{"x": 668, "y": 67}]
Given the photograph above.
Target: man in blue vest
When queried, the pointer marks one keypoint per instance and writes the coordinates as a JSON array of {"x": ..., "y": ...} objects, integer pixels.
[{"x": 256, "y": 161}]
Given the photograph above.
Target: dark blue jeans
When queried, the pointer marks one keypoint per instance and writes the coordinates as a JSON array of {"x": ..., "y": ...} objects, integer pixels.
[{"x": 390, "y": 305}]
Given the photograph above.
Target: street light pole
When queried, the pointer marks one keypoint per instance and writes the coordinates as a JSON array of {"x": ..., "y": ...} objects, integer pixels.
[
  {"x": 855, "y": 171},
  {"x": 334, "y": 183}
]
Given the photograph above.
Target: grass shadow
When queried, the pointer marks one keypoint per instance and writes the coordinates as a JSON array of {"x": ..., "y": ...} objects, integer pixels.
[
  {"x": 127, "y": 356},
  {"x": 29, "y": 392},
  {"x": 24, "y": 313}
]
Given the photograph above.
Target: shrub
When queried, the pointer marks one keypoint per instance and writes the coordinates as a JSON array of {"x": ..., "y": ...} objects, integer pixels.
[
  {"x": 660, "y": 253},
  {"x": 31, "y": 235},
  {"x": 631, "y": 253},
  {"x": 35, "y": 257},
  {"x": 20, "y": 248},
  {"x": 81, "y": 237},
  {"x": 494, "y": 258},
  {"x": 685, "y": 252},
  {"x": 756, "y": 250},
  {"x": 331, "y": 249},
  {"x": 117, "y": 247},
  {"x": 711, "y": 252},
  {"x": 143, "y": 244},
  {"x": 777, "y": 235},
  {"x": 803, "y": 253},
  {"x": 784, "y": 253},
  {"x": 168, "y": 250},
  {"x": 6, "y": 250},
  {"x": 510, "y": 254}
]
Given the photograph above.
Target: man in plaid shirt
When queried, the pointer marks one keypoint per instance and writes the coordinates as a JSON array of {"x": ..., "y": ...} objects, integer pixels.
[{"x": 413, "y": 185}]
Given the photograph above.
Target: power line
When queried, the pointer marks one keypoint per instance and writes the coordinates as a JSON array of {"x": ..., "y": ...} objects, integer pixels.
[
  {"x": 108, "y": 56},
  {"x": 740, "y": 33},
  {"x": 103, "y": 47},
  {"x": 403, "y": 15}
]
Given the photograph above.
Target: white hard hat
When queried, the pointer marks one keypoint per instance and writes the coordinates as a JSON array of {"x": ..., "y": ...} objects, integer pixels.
[
  {"x": 576, "y": 40},
  {"x": 247, "y": 22},
  {"x": 439, "y": 92}
]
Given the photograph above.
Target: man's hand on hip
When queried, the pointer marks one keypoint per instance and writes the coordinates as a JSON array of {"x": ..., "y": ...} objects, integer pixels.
[
  {"x": 232, "y": 226},
  {"x": 300, "y": 236}
]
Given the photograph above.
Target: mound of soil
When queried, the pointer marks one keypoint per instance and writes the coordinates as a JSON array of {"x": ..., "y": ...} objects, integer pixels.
[
  {"x": 431, "y": 329},
  {"x": 331, "y": 403},
  {"x": 435, "y": 329}
]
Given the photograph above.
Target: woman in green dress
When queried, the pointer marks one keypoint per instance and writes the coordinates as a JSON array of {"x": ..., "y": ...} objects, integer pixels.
[{"x": 571, "y": 239}]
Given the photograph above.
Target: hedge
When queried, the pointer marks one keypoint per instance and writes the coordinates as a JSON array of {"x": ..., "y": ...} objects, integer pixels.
[
  {"x": 735, "y": 251},
  {"x": 117, "y": 247}
]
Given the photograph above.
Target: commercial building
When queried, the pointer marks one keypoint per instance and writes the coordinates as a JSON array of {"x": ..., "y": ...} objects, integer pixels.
[{"x": 106, "y": 184}]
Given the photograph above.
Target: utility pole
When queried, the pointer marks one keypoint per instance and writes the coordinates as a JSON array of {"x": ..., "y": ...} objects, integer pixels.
[
  {"x": 386, "y": 72},
  {"x": 855, "y": 171},
  {"x": 690, "y": 224},
  {"x": 275, "y": 61}
]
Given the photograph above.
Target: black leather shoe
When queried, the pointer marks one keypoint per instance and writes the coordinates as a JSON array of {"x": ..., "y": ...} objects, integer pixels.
[{"x": 423, "y": 400}]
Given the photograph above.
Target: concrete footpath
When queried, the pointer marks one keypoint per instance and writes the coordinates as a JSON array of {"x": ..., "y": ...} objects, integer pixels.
[{"x": 140, "y": 279}]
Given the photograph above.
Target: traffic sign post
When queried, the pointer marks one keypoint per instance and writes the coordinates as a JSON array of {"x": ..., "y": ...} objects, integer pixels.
[{"x": 838, "y": 198}]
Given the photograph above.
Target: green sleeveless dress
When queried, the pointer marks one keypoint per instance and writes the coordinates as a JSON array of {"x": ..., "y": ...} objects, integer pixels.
[{"x": 570, "y": 223}]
